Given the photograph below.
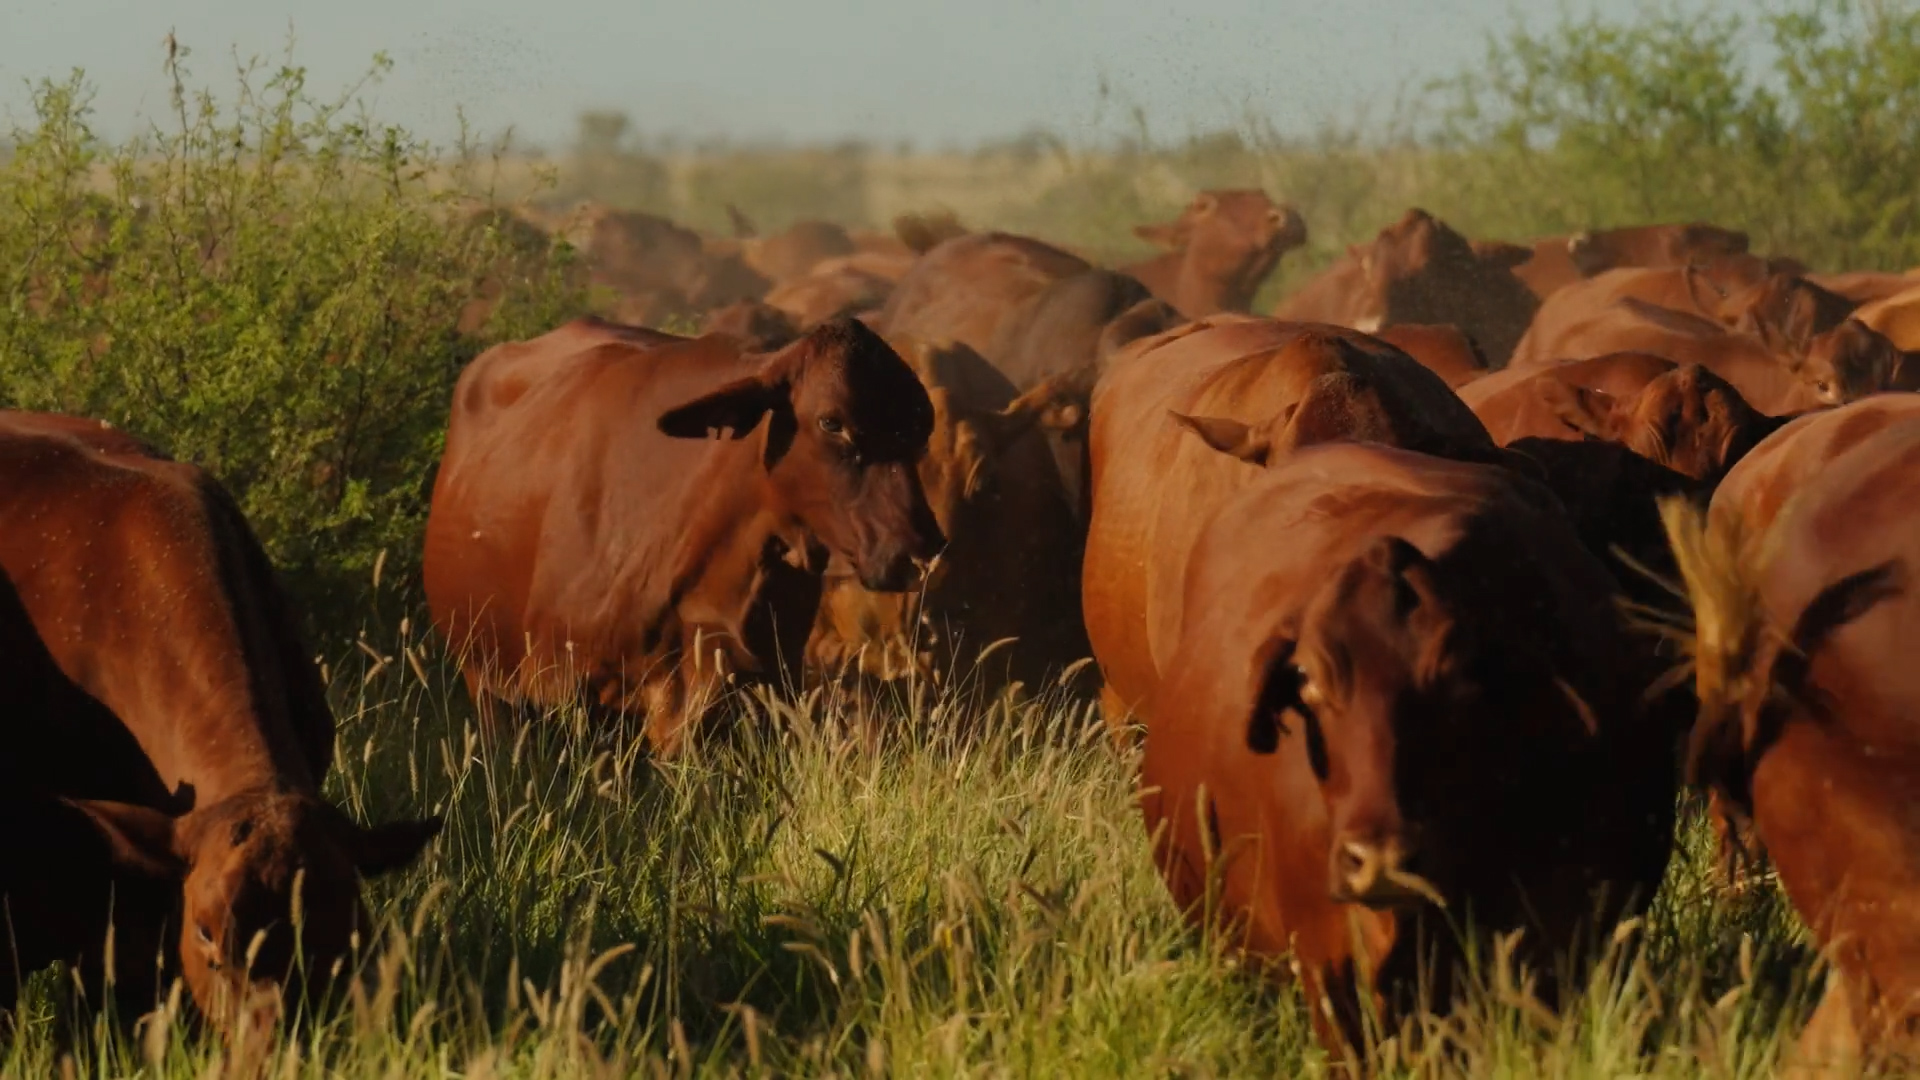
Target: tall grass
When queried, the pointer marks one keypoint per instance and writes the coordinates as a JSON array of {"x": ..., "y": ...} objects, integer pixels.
[
  {"x": 810, "y": 898},
  {"x": 278, "y": 287}
]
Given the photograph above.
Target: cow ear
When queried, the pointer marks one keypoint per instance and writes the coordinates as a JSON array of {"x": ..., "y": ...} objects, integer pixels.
[
  {"x": 1167, "y": 235},
  {"x": 140, "y": 839},
  {"x": 735, "y": 408},
  {"x": 381, "y": 849},
  {"x": 1230, "y": 437},
  {"x": 1053, "y": 404},
  {"x": 1279, "y": 689}
]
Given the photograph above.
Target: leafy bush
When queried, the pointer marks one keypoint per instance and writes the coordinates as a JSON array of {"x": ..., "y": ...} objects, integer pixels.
[
  {"x": 272, "y": 288},
  {"x": 1800, "y": 125}
]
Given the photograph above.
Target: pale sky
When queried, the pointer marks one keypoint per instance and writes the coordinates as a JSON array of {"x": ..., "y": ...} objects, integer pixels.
[{"x": 935, "y": 71}]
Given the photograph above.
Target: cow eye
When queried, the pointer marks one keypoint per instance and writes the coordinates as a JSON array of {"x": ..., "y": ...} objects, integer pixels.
[
  {"x": 832, "y": 425},
  {"x": 205, "y": 935}
]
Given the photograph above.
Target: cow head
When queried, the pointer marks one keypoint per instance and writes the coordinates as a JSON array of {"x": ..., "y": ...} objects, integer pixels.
[
  {"x": 1232, "y": 240},
  {"x": 1365, "y": 680},
  {"x": 845, "y": 423},
  {"x": 1419, "y": 270},
  {"x": 1397, "y": 662},
  {"x": 1688, "y": 419},
  {"x": 964, "y": 473},
  {"x": 270, "y": 891},
  {"x": 1852, "y": 361},
  {"x": 1785, "y": 312}
]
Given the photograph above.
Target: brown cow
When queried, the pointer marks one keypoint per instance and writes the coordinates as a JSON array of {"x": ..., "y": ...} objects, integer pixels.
[
  {"x": 589, "y": 541},
  {"x": 756, "y": 324},
  {"x": 1443, "y": 350},
  {"x": 967, "y": 288},
  {"x": 1219, "y": 252},
  {"x": 829, "y": 293},
  {"x": 1418, "y": 270},
  {"x": 1012, "y": 564},
  {"x": 1063, "y": 337},
  {"x": 1766, "y": 380},
  {"x": 1805, "y": 677},
  {"x": 1896, "y": 318},
  {"x": 1698, "y": 292},
  {"x": 660, "y": 269},
  {"x": 1562, "y": 260},
  {"x": 1786, "y": 462},
  {"x": 1785, "y": 312},
  {"x": 1615, "y": 374},
  {"x": 164, "y": 682},
  {"x": 1866, "y": 286},
  {"x": 794, "y": 251},
  {"x": 1254, "y": 389},
  {"x": 1422, "y": 697},
  {"x": 1852, "y": 361},
  {"x": 1685, "y": 418}
]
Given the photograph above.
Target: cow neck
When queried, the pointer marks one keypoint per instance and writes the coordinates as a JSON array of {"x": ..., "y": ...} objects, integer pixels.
[
  {"x": 732, "y": 529},
  {"x": 207, "y": 696},
  {"x": 1199, "y": 294},
  {"x": 1836, "y": 819}
]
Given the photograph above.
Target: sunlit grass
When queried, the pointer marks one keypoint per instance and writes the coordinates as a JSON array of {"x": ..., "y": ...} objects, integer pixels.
[{"x": 955, "y": 887}]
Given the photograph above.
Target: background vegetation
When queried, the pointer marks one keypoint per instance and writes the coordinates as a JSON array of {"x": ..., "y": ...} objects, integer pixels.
[{"x": 277, "y": 286}]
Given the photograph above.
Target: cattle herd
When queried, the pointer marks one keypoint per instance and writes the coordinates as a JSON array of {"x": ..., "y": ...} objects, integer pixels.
[{"x": 1422, "y": 599}]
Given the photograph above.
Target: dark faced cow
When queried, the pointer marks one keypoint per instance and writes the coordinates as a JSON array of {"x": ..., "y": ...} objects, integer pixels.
[
  {"x": 160, "y": 678},
  {"x": 591, "y": 539},
  {"x": 1399, "y": 685}
]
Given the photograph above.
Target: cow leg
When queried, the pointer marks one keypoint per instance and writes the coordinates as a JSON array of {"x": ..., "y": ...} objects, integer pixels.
[{"x": 1830, "y": 1045}]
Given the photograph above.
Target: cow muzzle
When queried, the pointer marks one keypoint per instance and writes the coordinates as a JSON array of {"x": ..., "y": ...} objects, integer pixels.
[{"x": 1378, "y": 873}]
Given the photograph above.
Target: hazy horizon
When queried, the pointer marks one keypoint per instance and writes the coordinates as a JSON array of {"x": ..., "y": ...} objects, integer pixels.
[{"x": 936, "y": 73}]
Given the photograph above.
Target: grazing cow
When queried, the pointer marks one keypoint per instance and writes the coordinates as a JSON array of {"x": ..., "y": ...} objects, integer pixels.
[
  {"x": 161, "y": 678},
  {"x": 1184, "y": 419},
  {"x": 1418, "y": 270},
  {"x": 965, "y": 289},
  {"x": 1560, "y": 261},
  {"x": 1685, "y": 418},
  {"x": 1219, "y": 251},
  {"x": 1808, "y": 692},
  {"x": 1443, "y": 350},
  {"x": 589, "y": 541},
  {"x": 1421, "y": 698},
  {"x": 1012, "y": 564}
]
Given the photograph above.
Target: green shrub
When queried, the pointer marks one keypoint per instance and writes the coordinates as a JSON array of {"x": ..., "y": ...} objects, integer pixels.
[
  {"x": 270, "y": 287},
  {"x": 1800, "y": 125}
]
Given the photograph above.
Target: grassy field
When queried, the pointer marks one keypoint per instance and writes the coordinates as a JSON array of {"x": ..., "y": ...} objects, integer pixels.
[
  {"x": 271, "y": 289},
  {"x": 961, "y": 888}
]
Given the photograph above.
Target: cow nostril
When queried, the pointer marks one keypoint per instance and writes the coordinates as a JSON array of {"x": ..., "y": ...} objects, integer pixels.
[{"x": 1359, "y": 864}]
